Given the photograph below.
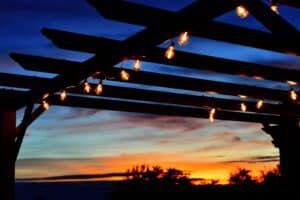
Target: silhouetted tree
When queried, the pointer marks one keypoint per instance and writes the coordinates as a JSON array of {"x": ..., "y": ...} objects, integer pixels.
[
  {"x": 241, "y": 177},
  {"x": 271, "y": 178},
  {"x": 145, "y": 178}
]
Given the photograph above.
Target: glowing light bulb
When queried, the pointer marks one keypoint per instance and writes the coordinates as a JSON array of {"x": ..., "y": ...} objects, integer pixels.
[
  {"x": 293, "y": 95},
  {"x": 63, "y": 95},
  {"x": 291, "y": 82},
  {"x": 86, "y": 87},
  {"x": 274, "y": 7},
  {"x": 242, "y": 12},
  {"x": 258, "y": 77},
  {"x": 183, "y": 38},
  {"x": 137, "y": 65},
  {"x": 124, "y": 75},
  {"x": 212, "y": 115},
  {"x": 259, "y": 104},
  {"x": 46, "y": 105},
  {"x": 170, "y": 52},
  {"x": 45, "y": 96},
  {"x": 243, "y": 107},
  {"x": 99, "y": 89},
  {"x": 243, "y": 96}
]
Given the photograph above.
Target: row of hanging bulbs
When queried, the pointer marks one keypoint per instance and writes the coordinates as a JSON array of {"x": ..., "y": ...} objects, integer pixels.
[
  {"x": 170, "y": 54},
  {"x": 243, "y": 12}
]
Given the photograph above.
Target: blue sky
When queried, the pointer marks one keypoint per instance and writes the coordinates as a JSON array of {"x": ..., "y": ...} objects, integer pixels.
[{"x": 93, "y": 139}]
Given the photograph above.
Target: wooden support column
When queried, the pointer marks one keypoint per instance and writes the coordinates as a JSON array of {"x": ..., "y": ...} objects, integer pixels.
[
  {"x": 286, "y": 137},
  {"x": 7, "y": 161}
]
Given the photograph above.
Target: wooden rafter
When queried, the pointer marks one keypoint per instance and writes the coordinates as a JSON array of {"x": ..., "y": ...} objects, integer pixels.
[
  {"x": 214, "y": 30},
  {"x": 93, "y": 44},
  {"x": 164, "y": 80}
]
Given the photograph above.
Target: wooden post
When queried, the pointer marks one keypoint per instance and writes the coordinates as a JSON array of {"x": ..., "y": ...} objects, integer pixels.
[
  {"x": 286, "y": 137},
  {"x": 7, "y": 160}
]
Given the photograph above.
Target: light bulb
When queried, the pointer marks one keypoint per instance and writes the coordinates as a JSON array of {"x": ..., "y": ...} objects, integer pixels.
[
  {"x": 170, "y": 52},
  {"x": 259, "y": 104},
  {"x": 86, "y": 87},
  {"x": 183, "y": 38},
  {"x": 243, "y": 107},
  {"x": 45, "y": 96},
  {"x": 242, "y": 12},
  {"x": 137, "y": 65},
  {"x": 243, "y": 96},
  {"x": 63, "y": 95},
  {"x": 291, "y": 82},
  {"x": 46, "y": 105},
  {"x": 212, "y": 115},
  {"x": 274, "y": 7},
  {"x": 124, "y": 75},
  {"x": 99, "y": 89},
  {"x": 293, "y": 95}
]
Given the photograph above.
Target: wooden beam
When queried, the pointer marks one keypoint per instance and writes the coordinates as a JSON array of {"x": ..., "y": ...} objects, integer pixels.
[
  {"x": 150, "y": 108},
  {"x": 274, "y": 22},
  {"x": 155, "y": 96},
  {"x": 131, "y": 13},
  {"x": 179, "y": 82},
  {"x": 195, "y": 84},
  {"x": 292, "y": 3},
  {"x": 126, "y": 105},
  {"x": 92, "y": 44},
  {"x": 246, "y": 36},
  {"x": 181, "y": 99},
  {"x": 21, "y": 81}
]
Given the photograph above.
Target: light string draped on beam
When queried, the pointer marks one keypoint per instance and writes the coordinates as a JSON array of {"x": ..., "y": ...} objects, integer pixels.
[{"x": 183, "y": 39}]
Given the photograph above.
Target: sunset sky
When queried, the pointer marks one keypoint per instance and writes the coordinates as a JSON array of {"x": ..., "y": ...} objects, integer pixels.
[{"x": 80, "y": 141}]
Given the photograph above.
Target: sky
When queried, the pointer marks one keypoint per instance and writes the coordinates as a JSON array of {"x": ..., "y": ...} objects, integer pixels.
[{"x": 66, "y": 141}]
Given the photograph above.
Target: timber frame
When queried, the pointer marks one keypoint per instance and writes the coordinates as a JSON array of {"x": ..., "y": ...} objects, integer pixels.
[{"x": 279, "y": 114}]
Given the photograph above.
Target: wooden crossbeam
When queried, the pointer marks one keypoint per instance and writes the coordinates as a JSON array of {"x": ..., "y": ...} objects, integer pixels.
[
  {"x": 93, "y": 44},
  {"x": 181, "y": 99},
  {"x": 172, "y": 81},
  {"x": 20, "y": 81},
  {"x": 162, "y": 97},
  {"x": 131, "y": 13},
  {"x": 271, "y": 20},
  {"x": 188, "y": 83},
  {"x": 169, "y": 110},
  {"x": 9, "y": 99},
  {"x": 155, "y": 108},
  {"x": 292, "y": 3},
  {"x": 165, "y": 28},
  {"x": 245, "y": 36}
]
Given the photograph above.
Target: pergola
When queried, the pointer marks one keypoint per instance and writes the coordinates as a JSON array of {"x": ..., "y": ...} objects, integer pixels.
[{"x": 278, "y": 110}]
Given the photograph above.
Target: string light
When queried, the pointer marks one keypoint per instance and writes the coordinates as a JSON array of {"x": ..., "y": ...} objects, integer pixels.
[
  {"x": 243, "y": 107},
  {"x": 242, "y": 12},
  {"x": 45, "y": 96},
  {"x": 63, "y": 95},
  {"x": 137, "y": 65},
  {"x": 212, "y": 115},
  {"x": 258, "y": 77},
  {"x": 99, "y": 88},
  {"x": 170, "y": 52},
  {"x": 86, "y": 87},
  {"x": 259, "y": 104},
  {"x": 293, "y": 95},
  {"x": 183, "y": 38},
  {"x": 291, "y": 82},
  {"x": 124, "y": 75},
  {"x": 45, "y": 105},
  {"x": 243, "y": 96},
  {"x": 274, "y": 6}
]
